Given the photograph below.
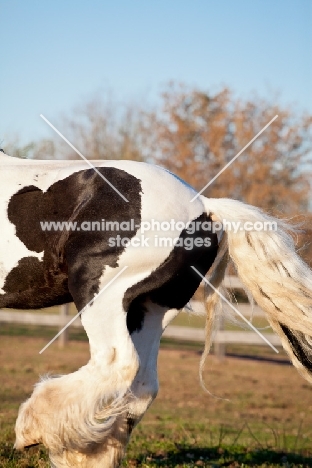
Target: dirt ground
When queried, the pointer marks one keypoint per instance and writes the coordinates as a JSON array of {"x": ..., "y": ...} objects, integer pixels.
[{"x": 263, "y": 398}]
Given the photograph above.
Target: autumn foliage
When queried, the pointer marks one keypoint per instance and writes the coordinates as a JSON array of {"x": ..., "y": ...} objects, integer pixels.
[{"x": 195, "y": 135}]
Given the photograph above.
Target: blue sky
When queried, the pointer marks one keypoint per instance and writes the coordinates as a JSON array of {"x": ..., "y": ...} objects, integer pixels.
[{"x": 56, "y": 54}]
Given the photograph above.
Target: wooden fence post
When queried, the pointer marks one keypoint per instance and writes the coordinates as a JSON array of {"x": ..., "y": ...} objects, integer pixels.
[{"x": 63, "y": 338}]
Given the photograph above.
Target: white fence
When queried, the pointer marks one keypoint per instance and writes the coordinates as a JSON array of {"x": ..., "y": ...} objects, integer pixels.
[{"x": 221, "y": 338}]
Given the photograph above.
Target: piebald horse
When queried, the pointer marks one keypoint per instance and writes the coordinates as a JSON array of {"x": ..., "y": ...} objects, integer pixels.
[{"x": 129, "y": 282}]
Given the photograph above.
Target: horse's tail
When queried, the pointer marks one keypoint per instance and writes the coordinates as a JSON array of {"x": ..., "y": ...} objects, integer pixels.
[{"x": 267, "y": 263}]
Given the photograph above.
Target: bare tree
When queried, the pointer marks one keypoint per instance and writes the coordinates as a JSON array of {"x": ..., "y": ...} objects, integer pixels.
[
  {"x": 42, "y": 149},
  {"x": 102, "y": 128}
]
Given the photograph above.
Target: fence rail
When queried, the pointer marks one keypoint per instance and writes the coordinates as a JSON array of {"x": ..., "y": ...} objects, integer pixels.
[{"x": 221, "y": 337}]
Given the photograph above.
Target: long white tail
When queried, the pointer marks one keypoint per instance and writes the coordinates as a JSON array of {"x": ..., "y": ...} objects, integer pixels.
[{"x": 269, "y": 267}]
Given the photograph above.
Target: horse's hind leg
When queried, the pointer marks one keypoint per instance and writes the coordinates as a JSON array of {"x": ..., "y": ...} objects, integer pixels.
[
  {"x": 145, "y": 385},
  {"x": 144, "y": 343},
  {"x": 73, "y": 414}
]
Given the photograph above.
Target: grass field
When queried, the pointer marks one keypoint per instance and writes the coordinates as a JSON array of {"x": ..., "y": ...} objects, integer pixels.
[{"x": 261, "y": 415}]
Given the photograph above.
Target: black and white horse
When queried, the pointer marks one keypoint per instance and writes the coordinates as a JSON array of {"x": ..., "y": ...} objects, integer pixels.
[{"x": 133, "y": 262}]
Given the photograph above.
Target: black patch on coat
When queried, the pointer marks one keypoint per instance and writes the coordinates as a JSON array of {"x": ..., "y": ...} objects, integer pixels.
[
  {"x": 174, "y": 282},
  {"x": 28, "y": 285},
  {"x": 73, "y": 261},
  {"x": 297, "y": 347},
  {"x": 130, "y": 424}
]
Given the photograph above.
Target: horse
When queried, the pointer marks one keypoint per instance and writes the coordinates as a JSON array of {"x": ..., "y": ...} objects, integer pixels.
[{"x": 129, "y": 243}]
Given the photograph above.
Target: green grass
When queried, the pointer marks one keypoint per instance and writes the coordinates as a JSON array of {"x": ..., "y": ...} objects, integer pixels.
[
  {"x": 266, "y": 423},
  {"x": 40, "y": 332},
  {"x": 189, "y": 445}
]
